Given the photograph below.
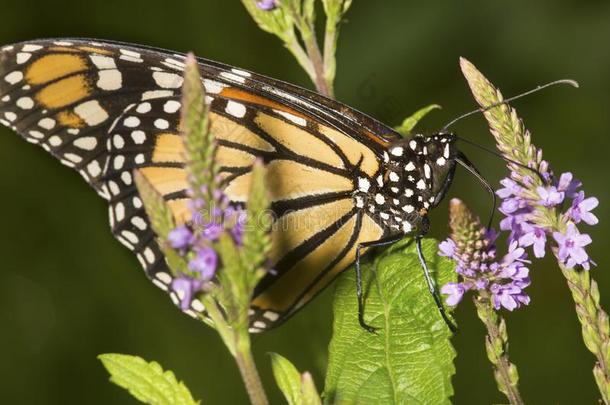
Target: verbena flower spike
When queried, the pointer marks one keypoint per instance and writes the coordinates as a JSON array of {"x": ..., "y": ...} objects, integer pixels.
[
  {"x": 219, "y": 256},
  {"x": 544, "y": 211},
  {"x": 496, "y": 284}
]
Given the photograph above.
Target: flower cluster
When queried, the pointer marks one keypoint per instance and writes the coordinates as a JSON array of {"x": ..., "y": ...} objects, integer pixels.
[
  {"x": 473, "y": 248},
  {"x": 523, "y": 205},
  {"x": 266, "y": 5},
  {"x": 195, "y": 242}
]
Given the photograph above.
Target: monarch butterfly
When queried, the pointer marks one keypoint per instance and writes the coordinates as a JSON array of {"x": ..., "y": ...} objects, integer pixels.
[{"x": 108, "y": 108}]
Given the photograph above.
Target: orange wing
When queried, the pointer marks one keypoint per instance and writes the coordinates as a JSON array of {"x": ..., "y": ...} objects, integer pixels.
[{"x": 106, "y": 109}]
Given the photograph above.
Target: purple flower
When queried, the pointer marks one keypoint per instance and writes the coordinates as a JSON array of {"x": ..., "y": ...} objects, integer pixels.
[
  {"x": 266, "y": 5},
  {"x": 212, "y": 231},
  {"x": 180, "y": 238},
  {"x": 568, "y": 184},
  {"x": 510, "y": 205},
  {"x": 476, "y": 261},
  {"x": 517, "y": 272},
  {"x": 455, "y": 292},
  {"x": 508, "y": 296},
  {"x": 550, "y": 196},
  {"x": 571, "y": 247},
  {"x": 581, "y": 207},
  {"x": 534, "y": 236},
  {"x": 185, "y": 288},
  {"x": 515, "y": 254},
  {"x": 204, "y": 263},
  {"x": 240, "y": 226},
  {"x": 446, "y": 248},
  {"x": 511, "y": 188}
]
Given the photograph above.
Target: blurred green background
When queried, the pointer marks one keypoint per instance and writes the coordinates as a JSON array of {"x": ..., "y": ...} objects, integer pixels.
[{"x": 69, "y": 291}]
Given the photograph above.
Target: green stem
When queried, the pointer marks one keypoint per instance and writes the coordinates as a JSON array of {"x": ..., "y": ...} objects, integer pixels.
[
  {"x": 292, "y": 44},
  {"x": 594, "y": 322},
  {"x": 330, "y": 49},
  {"x": 496, "y": 344},
  {"x": 247, "y": 368},
  {"x": 308, "y": 36},
  {"x": 318, "y": 64}
]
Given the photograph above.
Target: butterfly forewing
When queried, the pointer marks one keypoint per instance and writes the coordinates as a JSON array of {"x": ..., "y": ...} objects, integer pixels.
[{"x": 107, "y": 109}]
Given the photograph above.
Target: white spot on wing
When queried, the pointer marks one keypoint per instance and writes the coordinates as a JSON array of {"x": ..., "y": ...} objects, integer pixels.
[
  {"x": 241, "y": 72},
  {"x": 213, "y": 87},
  {"x": 236, "y": 109},
  {"x": 103, "y": 62},
  {"x": 94, "y": 168},
  {"x": 139, "y": 223},
  {"x": 139, "y": 137},
  {"x": 131, "y": 122},
  {"x": 151, "y": 94},
  {"x": 167, "y": 80},
  {"x": 14, "y": 77},
  {"x": 92, "y": 112},
  {"x": 31, "y": 48},
  {"x": 119, "y": 211},
  {"x": 46, "y": 123},
  {"x": 130, "y": 236},
  {"x": 86, "y": 143},
  {"x": 292, "y": 118},
  {"x": 233, "y": 77},
  {"x": 143, "y": 108},
  {"x": 23, "y": 57},
  {"x": 25, "y": 103},
  {"x": 109, "y": 79},
  {"x": 73, "y": 158},
  {"x": 160, "y": 123},
  {"x": 171, "y": 106},
  {"x": 55, "y": 141}
]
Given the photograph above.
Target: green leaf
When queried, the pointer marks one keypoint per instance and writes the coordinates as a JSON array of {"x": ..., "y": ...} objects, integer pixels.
[
  {"x": 275, "y": 22},
  {"x": 410, "y": 359},
  {"x": 147, "y": 382},
  {"x": 287, "y": 378},
  {"x": 409, "y": 123},
  {"x": 298, "y": 389},
  {"x": 310, "y": 393}
]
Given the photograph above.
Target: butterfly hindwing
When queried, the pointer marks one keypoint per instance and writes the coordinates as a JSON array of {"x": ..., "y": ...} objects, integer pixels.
[{"x": 107, "y": 109}]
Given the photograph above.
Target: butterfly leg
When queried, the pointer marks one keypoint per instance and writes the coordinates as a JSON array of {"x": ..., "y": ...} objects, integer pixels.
[
  {"x": 431, "y": 285},
  {"x": 359, "y": 292}
]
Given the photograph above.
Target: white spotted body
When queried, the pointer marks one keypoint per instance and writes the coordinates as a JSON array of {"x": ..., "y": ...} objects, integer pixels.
[{"x": 416, "y": 173}]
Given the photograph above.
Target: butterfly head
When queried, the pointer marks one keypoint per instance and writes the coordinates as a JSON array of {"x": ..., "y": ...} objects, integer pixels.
[{"x": 415, "y": 175}]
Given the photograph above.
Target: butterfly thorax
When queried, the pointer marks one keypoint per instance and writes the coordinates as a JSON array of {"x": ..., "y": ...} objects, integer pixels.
[{"x": 412, "y": 180}]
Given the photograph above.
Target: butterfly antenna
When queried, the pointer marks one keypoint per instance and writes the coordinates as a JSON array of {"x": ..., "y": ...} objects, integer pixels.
[
  {"x": 463, "y": 161},
  {"x": 508, "y": 160},
  {"x": 572, "y": 83}
]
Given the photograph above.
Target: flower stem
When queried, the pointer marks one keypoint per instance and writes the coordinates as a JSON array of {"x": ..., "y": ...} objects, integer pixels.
[
  {"x": 496, "y": 344},
  {"x": 248, "y": 371},
  {"x": 308, "y": 35},
  {"x": 313, "y": 50},
  {"x": 594, "y": 322},
  {"x": 330, "y": 50}
]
